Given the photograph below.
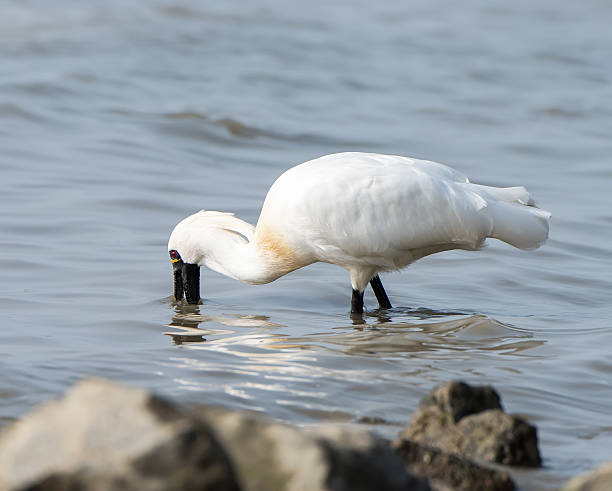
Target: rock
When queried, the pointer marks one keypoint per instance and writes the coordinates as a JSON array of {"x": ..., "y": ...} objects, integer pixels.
[
  {"x": 101, "y": 436},
  {"x": 104, "y": 437},
  {"x": 598, "y": 480},
  {"x": 458, "y": 399},
  {"x": 447, "y": 471},
  {"x": 373, "y": 420},
  {"x": 499, "y": 437},
  {"x": 274, "y": 456},
  {"x": 469, "y": 421}
]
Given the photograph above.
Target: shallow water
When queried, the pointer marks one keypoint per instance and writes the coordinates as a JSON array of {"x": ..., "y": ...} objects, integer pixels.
[{"x": 118, "y": 120}]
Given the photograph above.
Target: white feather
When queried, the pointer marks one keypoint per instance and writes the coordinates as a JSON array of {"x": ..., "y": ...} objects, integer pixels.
[{"x": 364, "y": 212}]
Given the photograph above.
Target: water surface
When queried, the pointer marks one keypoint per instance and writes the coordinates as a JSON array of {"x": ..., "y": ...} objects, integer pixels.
[{"x": 117, "y": 120}]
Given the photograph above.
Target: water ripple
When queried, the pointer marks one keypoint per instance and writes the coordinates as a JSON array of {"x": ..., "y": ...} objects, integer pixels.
[{"x": 119, "y": 119}]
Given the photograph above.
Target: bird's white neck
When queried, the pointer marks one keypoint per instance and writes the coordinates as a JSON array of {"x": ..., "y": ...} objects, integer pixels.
[
  {"x": 226, "y": 244},
  {"x": 266, "y": 257},
  {"x": 232, "y": 256}
]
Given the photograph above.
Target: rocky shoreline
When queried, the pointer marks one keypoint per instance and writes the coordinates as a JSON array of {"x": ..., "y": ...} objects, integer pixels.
[{"x": 103, "y": 436}]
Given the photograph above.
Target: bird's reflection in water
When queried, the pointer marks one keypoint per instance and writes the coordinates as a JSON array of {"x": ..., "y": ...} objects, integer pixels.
[
  {"x": 383, "y": 316},
  {"x": 188, "y": 329},
  {"x": 380, "y": 331},
  {"x": 379, "y": 316},
  {"x": 187, "y": 320}
]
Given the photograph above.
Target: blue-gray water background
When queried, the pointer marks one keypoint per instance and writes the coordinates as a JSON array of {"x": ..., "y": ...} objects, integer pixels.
[{"x": 117, "y": 119}]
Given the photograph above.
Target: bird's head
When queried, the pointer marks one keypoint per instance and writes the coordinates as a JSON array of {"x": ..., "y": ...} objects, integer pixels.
[
  {"x": 185, "y": 258},
  {"x": 186, "y": 278},
  {"x": 204, "y": 239}
]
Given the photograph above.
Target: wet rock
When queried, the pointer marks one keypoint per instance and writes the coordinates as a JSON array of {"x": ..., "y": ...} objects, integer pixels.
[
  {"x": 447, "y": 471},
  {"x": 373, "y": 420},
  {"x": 598, "y": 480},
  {"x": 469, "y": 421},
  {"x": 270, "y": 455},
  {"x": 102, "y": 436},
  {"x": 458, "y": 399},
  {"x": 499, "y": 437}
]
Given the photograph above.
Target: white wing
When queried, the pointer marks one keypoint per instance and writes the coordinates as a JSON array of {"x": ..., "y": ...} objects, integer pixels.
[{"x": 383, "y": 210}]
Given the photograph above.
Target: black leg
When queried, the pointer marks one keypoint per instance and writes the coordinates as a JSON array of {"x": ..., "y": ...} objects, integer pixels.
[
  {"x": 379, "y": 291},
  {"x": 357, "y": 302}
]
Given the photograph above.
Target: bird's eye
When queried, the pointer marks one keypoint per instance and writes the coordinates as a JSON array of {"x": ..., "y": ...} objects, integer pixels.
[{"x": 174, "y": 255}]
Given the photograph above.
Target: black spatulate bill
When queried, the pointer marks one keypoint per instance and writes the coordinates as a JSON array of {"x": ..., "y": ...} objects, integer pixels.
[
  {"x": 191, "y": 282},
  {"x": 186, "y": 279}
]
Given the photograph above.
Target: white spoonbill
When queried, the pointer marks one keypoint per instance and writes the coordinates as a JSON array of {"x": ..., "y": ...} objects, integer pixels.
[{"x": 365, "y": 212}]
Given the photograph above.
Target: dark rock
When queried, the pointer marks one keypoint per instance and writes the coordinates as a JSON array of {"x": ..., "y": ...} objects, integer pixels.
[
  {"x": 469, "y": 421},
  {"x": 274, "y": 456},
  {"x": 499, "y": 437},
  {"x": 104, "y": 437},
  {"x": 458, "y": 399},
  {"x": 598, "y": 480},
  {"x": 373, "y": 420},
  {"x": 101, "y": 436},
  {"x": 450, "y": 471}
]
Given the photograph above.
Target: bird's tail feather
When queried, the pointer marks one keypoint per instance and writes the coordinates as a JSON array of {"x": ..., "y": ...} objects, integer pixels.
[
  {"x": 517, "y": 194},
  {"x": 516, "y": 220},
  {"x": 525, "y": 227}
]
